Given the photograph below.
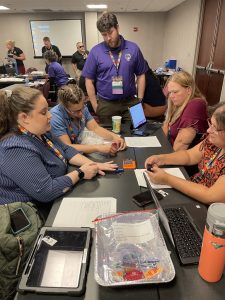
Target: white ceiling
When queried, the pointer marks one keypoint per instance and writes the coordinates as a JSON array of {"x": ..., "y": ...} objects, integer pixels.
[{"x": 35, "y": 6}]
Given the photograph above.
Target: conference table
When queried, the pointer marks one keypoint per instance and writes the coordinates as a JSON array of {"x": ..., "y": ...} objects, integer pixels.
[{"x": 187, "y": 283}]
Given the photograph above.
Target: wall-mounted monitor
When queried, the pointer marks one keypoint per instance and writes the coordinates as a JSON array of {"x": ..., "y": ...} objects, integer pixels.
[{"x": 63, "y": 33}]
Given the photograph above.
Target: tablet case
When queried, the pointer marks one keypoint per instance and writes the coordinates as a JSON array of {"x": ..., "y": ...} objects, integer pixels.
[{"x": 58, "y": 262}]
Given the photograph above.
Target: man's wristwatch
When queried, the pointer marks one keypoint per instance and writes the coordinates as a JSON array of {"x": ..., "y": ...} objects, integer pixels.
[{"x": 80, "y": 173}]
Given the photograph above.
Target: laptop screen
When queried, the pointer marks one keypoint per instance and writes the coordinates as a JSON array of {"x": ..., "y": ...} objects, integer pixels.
[{"x": 137, "y": 115}]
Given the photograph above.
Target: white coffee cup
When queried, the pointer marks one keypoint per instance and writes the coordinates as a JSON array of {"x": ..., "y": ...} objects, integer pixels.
[{"x": 116, "y": 124}]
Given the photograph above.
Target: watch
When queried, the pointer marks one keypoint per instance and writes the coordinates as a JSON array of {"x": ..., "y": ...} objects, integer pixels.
[{"x": 80, "y": 173}]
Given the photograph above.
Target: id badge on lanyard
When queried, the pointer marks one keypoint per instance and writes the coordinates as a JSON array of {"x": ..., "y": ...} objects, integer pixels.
[{"x": 117, "y": 85}]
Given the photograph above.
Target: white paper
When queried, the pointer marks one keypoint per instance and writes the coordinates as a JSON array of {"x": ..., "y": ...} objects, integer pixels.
[
  {"x": 62, "y": 269},
  {"x": 141, "y": 142},
  {"x": 137, "y": 233},
  {"x": 141, "y": 180},
  {"x": 80, "y": 212},
  {"x": 14, "y": 79}
]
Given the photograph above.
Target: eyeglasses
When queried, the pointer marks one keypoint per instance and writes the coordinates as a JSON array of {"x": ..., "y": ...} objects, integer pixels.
[
  {"x": 213, "y": 128},
  {"x": 81, "y": 46},
  {"x": 76, "y": 111}
]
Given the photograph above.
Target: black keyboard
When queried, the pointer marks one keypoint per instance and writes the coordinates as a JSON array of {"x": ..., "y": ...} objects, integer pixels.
[{"x": 187, "y": 240}]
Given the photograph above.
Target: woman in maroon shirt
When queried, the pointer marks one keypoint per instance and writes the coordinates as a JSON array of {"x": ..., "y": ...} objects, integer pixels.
[{"x": 186, "y": 118}]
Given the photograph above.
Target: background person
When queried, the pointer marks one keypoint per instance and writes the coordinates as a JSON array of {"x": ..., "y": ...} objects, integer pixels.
[
  {"x": 111, "y": 66},
  {"x": 49, "y": 47},
  {"x": 71, "y": 116},
  {"x": 16, "y": 56},
  {"x": 154, "y": 101},
  {"x": 56, "y": 72},
  {"x": 207, "y": 185},
  {"x": 78, "y": 60},
  {"x": 33, "y": 165},
  {"x": 186, "y": 117}
]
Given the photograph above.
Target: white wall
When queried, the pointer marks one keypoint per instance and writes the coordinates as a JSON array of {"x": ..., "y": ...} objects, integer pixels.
[{"x": 181, "y": 32}]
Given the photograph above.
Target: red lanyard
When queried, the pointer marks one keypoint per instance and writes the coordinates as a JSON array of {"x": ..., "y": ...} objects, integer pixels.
[
  {"x": 47, "y": 142},
  {"x": 116, "y": 64},
  {"x": 211, "y": 161},
  {"x": 72, "y": 134}
]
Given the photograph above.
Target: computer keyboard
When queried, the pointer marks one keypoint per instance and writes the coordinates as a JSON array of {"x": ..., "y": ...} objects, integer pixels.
[{"x": 187, "y": 240}]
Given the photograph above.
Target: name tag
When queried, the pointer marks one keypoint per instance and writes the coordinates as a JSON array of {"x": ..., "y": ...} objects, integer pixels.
[{"x": 117, "y": 85}]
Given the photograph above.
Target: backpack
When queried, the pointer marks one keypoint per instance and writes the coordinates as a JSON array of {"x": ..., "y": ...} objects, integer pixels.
[{"x": 15, "y": 248}]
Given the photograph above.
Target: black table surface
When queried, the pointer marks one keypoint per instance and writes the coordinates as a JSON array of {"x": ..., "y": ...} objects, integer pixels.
[{"x": 187, "y": 283}]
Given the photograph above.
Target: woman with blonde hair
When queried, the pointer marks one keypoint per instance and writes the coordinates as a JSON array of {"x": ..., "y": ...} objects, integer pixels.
[
  {"x": 186, "y": 117},
  {"x": 16, "y": 56},
  {"x": 71, "y": 116}
]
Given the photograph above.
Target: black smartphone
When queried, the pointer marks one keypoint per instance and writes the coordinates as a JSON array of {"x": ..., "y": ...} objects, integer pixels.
[
  {"x": 19, "y": 221},
  {"x": 140, "y": 133},
  {"x": 145, "y": 198}
]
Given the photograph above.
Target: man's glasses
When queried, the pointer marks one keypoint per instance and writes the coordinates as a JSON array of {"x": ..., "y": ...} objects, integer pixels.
[
  {"x": 213, "y": 128},
  {"x": 81, "y": 46}
]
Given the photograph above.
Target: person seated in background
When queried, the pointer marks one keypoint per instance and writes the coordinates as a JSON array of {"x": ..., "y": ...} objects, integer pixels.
[
  {"x": 154, "y": 101},
  {"x": 49, "y": 47},
  {"x": 71, "y": 116},
  {"x": 207, "y": 185},
  {"x": 56, "y": 72},
  {"x": 15, "y": 56},
  {"x": 34, "y": 163},
  {"x": 186, "y": 117}
]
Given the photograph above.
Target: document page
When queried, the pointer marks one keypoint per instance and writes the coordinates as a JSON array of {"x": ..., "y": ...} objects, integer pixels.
[
  {"x": 141, "y": 180},
  {"x": 142, "y": 142},
  {"x": 80, "y": 212}
]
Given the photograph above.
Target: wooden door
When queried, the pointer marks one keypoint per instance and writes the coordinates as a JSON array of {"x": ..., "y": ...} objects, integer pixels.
[{"x": 210, "y": 68}]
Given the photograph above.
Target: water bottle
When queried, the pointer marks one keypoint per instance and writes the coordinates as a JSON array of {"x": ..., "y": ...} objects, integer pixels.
[
  {"x": 212, "y": 257},
  {"x": 27, "y": 81}
]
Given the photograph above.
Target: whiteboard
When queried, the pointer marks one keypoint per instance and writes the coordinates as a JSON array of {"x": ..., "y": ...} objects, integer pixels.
[{"x": 63, "y": 33}]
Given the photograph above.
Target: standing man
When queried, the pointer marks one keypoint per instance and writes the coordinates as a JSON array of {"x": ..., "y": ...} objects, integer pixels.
[
  {"x": 112, "y": 65},
  {"x": 79, "y": 59},
  {"x": 48, "y": 46}
]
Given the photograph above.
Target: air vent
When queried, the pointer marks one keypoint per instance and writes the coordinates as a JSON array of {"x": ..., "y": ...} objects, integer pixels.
[{"x": 42, "y": 10}]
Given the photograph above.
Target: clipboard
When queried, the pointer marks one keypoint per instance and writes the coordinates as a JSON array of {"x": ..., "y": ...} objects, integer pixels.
[{"x": 58, "y": 262}]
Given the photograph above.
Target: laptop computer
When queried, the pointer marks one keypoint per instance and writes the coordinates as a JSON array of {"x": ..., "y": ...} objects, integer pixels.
[
  {"x": 184, "y": 225},
  {"x": 139, "y": 122}
]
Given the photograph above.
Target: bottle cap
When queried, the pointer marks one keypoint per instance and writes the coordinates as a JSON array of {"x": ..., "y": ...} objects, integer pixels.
[{"x": 216, "y": 216}]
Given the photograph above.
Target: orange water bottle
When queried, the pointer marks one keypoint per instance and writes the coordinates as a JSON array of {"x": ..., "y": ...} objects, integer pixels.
[{"x": 212, "y": 257}]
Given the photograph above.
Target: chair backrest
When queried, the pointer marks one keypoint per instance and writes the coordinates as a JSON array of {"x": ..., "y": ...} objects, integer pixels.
[{"x": 31, "y": 69}]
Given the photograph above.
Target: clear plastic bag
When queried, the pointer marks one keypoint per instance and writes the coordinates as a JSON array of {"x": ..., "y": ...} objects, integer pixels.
[{"x": 130, "y": 249}]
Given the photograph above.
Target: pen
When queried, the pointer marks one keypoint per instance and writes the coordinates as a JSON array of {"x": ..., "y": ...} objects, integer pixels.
[{"x": 118, "y": 171}]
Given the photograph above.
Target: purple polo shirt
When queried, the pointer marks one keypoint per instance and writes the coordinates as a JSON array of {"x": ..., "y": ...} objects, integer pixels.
[
  {"x": 99, "y": 67},
  {"x": 56, "y": 71}
]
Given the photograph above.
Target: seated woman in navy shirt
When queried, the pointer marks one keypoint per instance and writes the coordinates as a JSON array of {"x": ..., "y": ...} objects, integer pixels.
[
  {"x": 33, "y": 164},
  {"x": 71, "y": 116}
]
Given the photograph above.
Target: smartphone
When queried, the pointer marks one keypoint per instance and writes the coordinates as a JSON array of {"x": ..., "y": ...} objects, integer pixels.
[
  {"x": 140, "y": 133},
  {"x": 19, "y": 221},
  {"x": 145, "y": 198}
]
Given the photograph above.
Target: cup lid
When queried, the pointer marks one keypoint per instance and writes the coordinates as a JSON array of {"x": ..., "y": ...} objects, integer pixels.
[{"x": 216, "y": 214}]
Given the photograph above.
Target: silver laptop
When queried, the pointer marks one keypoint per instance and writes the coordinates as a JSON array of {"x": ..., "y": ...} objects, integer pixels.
[{"x": 184, "y": 225}]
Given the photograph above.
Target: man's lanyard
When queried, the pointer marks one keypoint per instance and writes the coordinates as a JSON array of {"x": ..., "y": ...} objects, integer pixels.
[
  {"x": 116, "y": 64},
  {"x": 46, "y": 141}
]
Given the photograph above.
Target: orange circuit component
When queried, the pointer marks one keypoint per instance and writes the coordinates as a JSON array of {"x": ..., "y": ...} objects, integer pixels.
[{"x": 129, "y": 164}]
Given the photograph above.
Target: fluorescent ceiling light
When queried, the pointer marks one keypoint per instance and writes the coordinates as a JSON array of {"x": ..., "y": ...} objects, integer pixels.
[
  {"x": 96, "y": 6},
  {"x": 3, "y": 7}
]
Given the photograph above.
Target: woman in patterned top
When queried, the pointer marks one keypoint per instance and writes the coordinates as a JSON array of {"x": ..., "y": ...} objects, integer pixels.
[
  {"x": 33, "y": 163},
  {"x": 186, "y": 117},
  {"x": 207, "y": 185}
]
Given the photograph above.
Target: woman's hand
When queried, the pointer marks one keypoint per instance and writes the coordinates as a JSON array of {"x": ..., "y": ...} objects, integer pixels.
[
  {"x": 158, "y": 175},
  {"x": 90, "y": 170},
  {"x": 119, "y": 143},
  {"x": 107, "y": 166},
  {"x": 157, "y": 160}
]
